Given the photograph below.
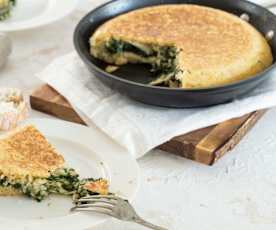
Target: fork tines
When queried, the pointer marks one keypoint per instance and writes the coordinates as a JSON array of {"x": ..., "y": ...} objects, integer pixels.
[
  {"x": 113, "y": 206},
  {"x": 98, "y": 203}
]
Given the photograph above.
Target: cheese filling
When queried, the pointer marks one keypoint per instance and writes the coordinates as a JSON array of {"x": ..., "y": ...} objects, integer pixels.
[
  {"x": 63, "y": 181},
  {"x": 163, "y": 59}
]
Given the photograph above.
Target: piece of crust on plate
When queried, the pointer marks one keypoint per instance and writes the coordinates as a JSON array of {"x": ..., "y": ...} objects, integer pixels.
[{"x": 30, "y": 165}]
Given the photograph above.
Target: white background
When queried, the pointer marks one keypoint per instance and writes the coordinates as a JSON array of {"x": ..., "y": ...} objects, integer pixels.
[{"x": 239, "y": 192}]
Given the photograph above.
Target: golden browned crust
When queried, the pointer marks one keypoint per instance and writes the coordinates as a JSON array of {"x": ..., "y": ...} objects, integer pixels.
[
  {"x": 26, "y": 152},
  {"x": 98, "y": 186},
  {"x": 9, "y": 191},
  {"x": 216, "y": 47}
]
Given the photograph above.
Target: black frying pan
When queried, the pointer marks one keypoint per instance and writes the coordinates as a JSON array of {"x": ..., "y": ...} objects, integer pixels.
[{"x": 131, "y": 79}]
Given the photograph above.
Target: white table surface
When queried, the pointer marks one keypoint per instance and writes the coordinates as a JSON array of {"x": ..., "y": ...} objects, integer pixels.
[{"x": 239, "y": 192}]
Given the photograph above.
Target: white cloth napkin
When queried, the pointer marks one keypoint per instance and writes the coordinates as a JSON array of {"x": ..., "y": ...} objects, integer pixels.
[
  {"x": 264, "y": 2},
  {"x": 136, "y": 126}
]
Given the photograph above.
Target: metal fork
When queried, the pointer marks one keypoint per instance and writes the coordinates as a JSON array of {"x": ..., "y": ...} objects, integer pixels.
[{"x": 113, "y": 206}]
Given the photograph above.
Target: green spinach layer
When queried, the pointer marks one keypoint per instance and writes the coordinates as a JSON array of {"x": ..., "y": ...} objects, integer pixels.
[
  {"x": 161, "y": 58},
  {"x": 5, "y": 8},
  {"x": 63, "y": 181}
]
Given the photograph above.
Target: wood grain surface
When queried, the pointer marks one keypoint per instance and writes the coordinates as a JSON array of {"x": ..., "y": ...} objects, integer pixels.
[{"x": 205, "y": 145}]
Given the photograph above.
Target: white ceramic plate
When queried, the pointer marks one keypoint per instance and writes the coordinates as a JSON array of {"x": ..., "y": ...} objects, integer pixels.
[
  {"x": 92, "y": 154},
  {"x": 29, "y": 14}
]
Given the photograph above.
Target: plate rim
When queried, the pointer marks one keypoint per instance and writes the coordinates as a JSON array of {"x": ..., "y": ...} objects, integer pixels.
[{"x": 43, "y": 20}]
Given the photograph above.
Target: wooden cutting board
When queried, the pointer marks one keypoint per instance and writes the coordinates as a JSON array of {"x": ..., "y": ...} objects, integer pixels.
[{"x": 205, "y": 145}]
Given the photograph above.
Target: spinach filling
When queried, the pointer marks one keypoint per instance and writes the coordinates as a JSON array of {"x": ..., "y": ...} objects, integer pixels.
[
  {"x": 5, "y": 8},
  {"x": 81, "y": 191},
  {"x": 161, "y": 58},
  {"x": 63, "y": 181},
  {"x": 118, "y": 46}
]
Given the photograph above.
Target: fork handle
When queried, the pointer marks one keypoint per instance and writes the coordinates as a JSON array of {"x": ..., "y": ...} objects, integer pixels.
[{"x": 149, "y": 225}]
